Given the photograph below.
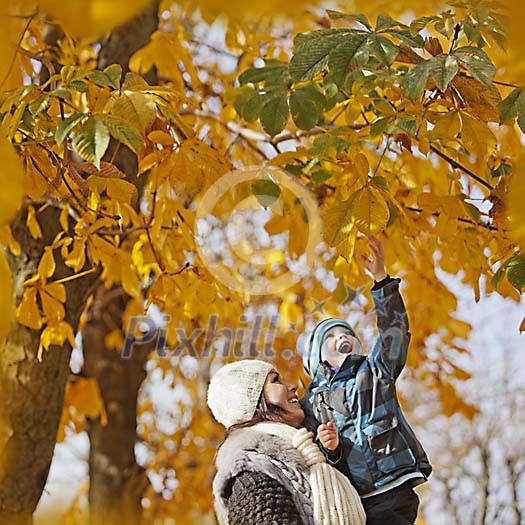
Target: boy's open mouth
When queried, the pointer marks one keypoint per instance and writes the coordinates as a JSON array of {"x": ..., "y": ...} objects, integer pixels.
[{"x": 345, "y": 348}]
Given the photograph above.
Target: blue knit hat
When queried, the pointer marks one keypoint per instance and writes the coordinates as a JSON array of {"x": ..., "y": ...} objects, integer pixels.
[{"x": 311, "y": 347}]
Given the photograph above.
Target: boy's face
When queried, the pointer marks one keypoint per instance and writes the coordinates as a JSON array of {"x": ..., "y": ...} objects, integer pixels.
[{"x": 338, "y": 343}]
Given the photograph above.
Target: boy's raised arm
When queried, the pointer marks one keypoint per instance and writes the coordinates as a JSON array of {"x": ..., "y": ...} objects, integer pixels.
[{"x": 390, "y": 351}]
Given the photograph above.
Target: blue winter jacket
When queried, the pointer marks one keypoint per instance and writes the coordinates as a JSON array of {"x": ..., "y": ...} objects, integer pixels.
[{"x": 377, "y": 444}]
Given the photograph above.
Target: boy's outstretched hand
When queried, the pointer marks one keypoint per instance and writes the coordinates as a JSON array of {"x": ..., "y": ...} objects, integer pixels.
[
  {"x": 375, "y": 263},
  {"x": 328, "y": 436}
]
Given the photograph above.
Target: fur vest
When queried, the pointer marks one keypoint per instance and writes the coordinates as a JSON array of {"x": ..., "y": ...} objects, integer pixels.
[{"x": 250, "y": 450}]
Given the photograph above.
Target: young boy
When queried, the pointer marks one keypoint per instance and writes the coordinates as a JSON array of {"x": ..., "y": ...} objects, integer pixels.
[{"x": 352, "y": 398}]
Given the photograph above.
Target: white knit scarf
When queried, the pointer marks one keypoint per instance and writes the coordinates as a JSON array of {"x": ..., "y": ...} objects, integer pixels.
[{"x": 335, "y": 500}]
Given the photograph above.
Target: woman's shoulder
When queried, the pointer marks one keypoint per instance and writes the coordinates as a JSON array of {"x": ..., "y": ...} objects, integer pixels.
[{"x": 256, "y": 440}]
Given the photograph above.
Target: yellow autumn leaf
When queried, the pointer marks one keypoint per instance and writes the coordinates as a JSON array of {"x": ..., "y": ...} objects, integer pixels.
[
  {"x": 447, "y": 127},
  {"x": 477, "y": 136},
  {"x": 362, "y": 165},
  {"x": 32, "y": 223},
  {"x": 56, "y": 333},
  {"x": 241, "y": 11},
  {"x": 130, "y": 280},
  {"x": 290, "y": 314},
  {"x": 164, "y": 52},
  {"x": 6, "y": 293},
  {"x": 7, "y": 240},
  {"x": 161, "y": 137},
  {"x": 57, "y": 290},
  {"x": 137, "y": 109},
  {"x": 53, "y": 309},
  {"x": 35, "y": 183},
  {"x": 76, "y": 258},
  {"x": 11, "y": 182},
  {"x": 98, "y": 16},
  {"x": 47, "y": 265},
  {"x": 522, "y": 326},
  {"x": 13, "y": 19},
  {"x": 338, "y": 221},
  {"x": 514, "y": 205},
  {"x": 274, "y": 256},
  {"x": 84, "y": 398},
  {"x": 369, "y": 210},
  {"x": 121, "y": 191},
  {"x": 28, "y": 312}
]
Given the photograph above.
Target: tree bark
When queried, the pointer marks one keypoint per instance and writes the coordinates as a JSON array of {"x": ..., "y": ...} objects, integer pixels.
[
  {"x": 32, "y": 392},
  {"x": 116, "y": 481}
]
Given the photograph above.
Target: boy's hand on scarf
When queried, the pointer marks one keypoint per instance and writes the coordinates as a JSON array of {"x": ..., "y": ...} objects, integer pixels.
[
  {"x": 375, "y": 263},
  {"x": 328, "y": 436}
]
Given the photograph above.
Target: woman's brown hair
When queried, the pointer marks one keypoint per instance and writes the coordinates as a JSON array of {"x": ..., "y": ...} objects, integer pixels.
[{"x": 264, "y": 412}]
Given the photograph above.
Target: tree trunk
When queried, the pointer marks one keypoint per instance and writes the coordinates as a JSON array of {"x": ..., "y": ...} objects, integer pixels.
[
  {"x": 32, "y": 392},
  {"x": 116, "y": 481}
]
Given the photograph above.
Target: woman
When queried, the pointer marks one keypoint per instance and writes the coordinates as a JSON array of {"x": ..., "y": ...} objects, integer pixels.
[{"x": 269, "y": 470}]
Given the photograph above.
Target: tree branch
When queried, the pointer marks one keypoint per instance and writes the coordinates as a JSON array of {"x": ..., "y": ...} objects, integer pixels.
[
  {"x": 460, "y": 219},
  {"x": 457, "y": 165}
]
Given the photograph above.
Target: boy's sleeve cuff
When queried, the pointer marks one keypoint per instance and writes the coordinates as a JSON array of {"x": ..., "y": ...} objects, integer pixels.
[
  {"x": 383, "y": 282},
  {"x": 334, "y": 456}
]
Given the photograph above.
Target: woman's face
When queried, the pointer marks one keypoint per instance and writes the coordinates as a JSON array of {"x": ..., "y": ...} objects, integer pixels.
[
  {"x": 338, "y": 343},
  {"x": 279, "y": 393}
]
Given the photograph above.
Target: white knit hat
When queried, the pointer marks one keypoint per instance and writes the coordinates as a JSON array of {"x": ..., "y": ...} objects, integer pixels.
[{"x": 235, "y": 390}]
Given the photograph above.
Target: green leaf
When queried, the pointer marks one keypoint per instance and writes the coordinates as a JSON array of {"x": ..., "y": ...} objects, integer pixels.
[
  {"x": 420, "y": 23},
  {"x": 248, "y": 103},
  {"x": 380, "y": 125},
  {"x": 358, "y": 17},
  {"x": 125, "y": 133},
  {"x": 275, "y": 112},
  {"x": 66, "y": 126},
  {"x": 443, "y": 70},
  {"x": 385, "y": 50},
  {"x": 320, "y": 176},
  {"x": 62, "y": 93},
  {"x": 311, "y": 55},
  {"x": 414, "y": 82},
  {"x": 266, "y": 192},
  {"x": 352, "y": 51},
  {"x": 324, "y": 142},
  {"x": 512, "y": 106},
  {"x": 498, "y": 276},
  {"x": 516, "y": 271},
  {"x": 407, "y": 37},
  {"x": 109, "y": 77},
  {"x": 379, "y": 182},
  {"x": 273, "y": 75},
  {"x": 521, "y": 122},
  {"x": 473, "y": 211},
  {"x": 385, "y": 21},
  {"x": 114, "y": 73},
  {"x": 477, "y": 63},
  {"x": 306, "y": 106},
  {"x": 77, "y": 85},
  {"x": 91, "y": 141},
  {"x": 406, "y": 124}
]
